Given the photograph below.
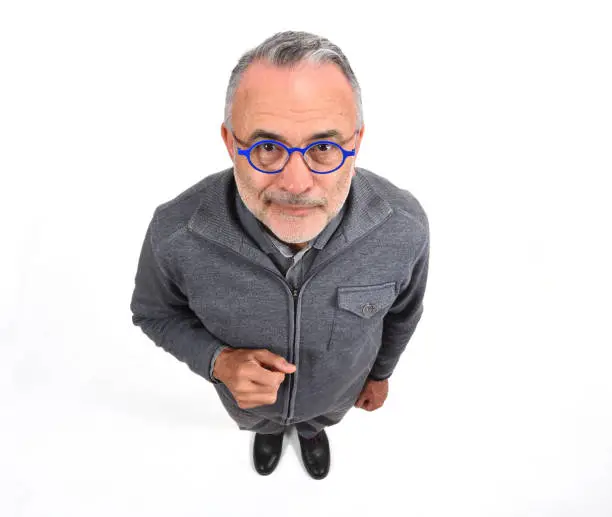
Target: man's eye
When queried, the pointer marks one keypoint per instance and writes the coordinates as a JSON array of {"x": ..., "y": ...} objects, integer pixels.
[
  {"x": 323, "y": 147},
  {"x": 269, "y": 147}
]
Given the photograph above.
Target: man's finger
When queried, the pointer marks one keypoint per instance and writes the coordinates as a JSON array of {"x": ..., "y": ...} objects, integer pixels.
[
  {"x": 375, "y": 405},
  {"x": 274, "y": 361},
  {"x": 265, "y": 377}
]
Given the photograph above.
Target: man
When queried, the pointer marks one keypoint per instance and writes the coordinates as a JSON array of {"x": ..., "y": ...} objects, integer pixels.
[{"x": 292, "y": 281}]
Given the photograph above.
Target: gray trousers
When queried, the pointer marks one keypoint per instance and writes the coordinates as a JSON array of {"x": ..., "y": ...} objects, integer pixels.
[{"x": 306, "y": 429}]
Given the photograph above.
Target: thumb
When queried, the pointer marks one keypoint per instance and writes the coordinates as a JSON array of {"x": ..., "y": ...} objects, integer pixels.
[{"x": 275, "y": 361}]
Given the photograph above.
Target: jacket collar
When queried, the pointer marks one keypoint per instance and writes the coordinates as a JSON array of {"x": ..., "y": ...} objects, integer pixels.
[{"x": 216, "y": 219}]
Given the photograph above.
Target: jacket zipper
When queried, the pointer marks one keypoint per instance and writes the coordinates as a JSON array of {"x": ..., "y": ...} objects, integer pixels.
[{"x": 295, "y": 293}]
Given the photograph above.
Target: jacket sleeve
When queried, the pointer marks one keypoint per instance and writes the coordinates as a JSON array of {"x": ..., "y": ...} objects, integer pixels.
[
  {"x": 212, "y": 363},
  {"x": 402, "y": 318},
  {"x": 161, "y": 310}
]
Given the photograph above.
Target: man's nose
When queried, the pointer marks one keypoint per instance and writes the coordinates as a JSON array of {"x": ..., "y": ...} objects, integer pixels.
[{"x": 296, "y": 176}]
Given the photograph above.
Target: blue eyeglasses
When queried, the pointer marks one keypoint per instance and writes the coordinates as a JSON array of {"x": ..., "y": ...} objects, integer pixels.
[{"x": 271, "y": 156}]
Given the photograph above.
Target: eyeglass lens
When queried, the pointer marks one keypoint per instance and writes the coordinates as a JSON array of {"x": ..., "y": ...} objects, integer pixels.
[{"x": 320, "y": 157}]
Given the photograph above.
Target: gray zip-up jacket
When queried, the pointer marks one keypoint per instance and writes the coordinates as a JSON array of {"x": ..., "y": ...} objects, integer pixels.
[{"x": 202, "y": 284}]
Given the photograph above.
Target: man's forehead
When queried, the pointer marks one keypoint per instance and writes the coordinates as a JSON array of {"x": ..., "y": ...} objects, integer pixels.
[
  {"x": 307, "y": 102},
  {"x": 304, "y": 90}
]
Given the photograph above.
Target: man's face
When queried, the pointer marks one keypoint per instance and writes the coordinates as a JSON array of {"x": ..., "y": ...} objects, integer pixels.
[{"x": 294, "y": 104}]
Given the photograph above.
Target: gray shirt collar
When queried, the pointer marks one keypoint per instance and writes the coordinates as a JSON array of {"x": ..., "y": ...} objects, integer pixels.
[{"x": 270, "y": 243}]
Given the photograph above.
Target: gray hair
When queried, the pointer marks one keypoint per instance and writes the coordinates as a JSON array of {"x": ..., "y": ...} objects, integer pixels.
[{"x": 288, "y": 48}]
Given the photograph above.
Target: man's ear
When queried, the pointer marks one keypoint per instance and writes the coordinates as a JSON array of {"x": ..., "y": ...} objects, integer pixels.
[
  {"x": 228, "y": 140},
  {"x": 359, "y": 138},
  {"x": 358, "y": 145}
]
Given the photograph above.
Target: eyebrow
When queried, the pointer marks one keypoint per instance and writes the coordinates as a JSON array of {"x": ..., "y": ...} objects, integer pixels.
[{"x": 262, "y": 133}]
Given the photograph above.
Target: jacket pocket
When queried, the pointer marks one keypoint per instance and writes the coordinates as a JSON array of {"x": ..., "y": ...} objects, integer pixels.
[{"x": 359, "y": 314}]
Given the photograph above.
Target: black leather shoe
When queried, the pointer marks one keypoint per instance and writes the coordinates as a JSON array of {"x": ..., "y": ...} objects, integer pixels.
[
  {"x": 267, "y": 450},
  {"x": 315, "y": 454}
]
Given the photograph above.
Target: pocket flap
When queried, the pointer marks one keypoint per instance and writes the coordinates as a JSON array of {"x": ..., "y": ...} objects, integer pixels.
[{"x": 366, "y": 300}]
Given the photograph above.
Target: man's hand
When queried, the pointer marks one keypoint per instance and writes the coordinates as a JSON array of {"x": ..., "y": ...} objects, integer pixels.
[
  {"x": 373, "y": 394},
  {"x": 252, "y": 375}
]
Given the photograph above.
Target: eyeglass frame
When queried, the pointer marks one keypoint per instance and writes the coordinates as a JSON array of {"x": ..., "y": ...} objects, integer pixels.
[{"x": 290, "y": 150}]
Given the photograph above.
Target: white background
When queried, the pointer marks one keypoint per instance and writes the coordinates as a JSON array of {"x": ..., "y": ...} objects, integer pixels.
[{"x": 495, "y": 115}]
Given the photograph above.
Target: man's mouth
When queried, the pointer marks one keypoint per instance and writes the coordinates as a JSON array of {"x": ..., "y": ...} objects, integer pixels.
[{"x": 295, "y": 209}]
